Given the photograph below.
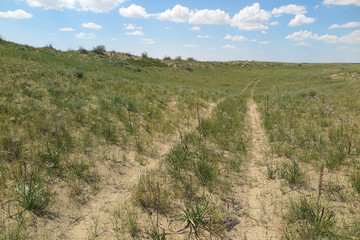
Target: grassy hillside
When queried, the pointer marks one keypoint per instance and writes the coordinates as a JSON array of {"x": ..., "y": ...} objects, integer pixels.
[{"x": 106, "y": 145}]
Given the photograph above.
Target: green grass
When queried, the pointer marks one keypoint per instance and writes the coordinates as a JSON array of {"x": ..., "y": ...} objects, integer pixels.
[{"x": 62, "y": 111}]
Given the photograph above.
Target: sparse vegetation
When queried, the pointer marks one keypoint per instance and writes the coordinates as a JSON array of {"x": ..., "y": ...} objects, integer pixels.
[{"x": 174, "y": 140}]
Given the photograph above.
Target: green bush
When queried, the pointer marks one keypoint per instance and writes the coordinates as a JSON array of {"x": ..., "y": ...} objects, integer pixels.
[{"x": 100, "y": 49}]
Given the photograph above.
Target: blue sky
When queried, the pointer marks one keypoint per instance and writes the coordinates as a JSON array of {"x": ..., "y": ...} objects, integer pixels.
[{"x": 287, "y": 31}]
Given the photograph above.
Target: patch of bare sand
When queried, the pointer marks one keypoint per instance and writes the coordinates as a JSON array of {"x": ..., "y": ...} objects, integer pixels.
[{"x": 117, "y": 176}]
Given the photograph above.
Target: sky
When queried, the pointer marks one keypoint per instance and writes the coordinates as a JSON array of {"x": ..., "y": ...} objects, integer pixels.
[{"x": 207, "y": 30}]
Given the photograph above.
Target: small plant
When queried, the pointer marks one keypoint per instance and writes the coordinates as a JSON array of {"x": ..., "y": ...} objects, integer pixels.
[
  {"x": 271, "y": 172},
  {"x": 30, "y": 195},
  {"x": 196, "y": 216},
  {"x": 167, "y": 58},
  {"x": 178, "y": 58},
  {"x": 155, "y": 232},
  {"x": 355, "y": 180},
  {"x": 310, "y": 220},
  {"x": 132, "y": 223},
  {"x": 50, "y": 157},
  {"x": 144, "y": 55},
  {"x": 190, "y": 59},
  {"x": 151, "y": 196},
  {"x": 49, "y": 46},
  {"x": 100, "y": 49},
  {"x": 79, "y": 74},
  {"x": 188, "y": 68},
  {"x": 83, "y": 50},
  {"x": 292, "y": 173}
]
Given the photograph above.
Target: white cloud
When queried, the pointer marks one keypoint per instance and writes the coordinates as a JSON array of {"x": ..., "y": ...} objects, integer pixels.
[
  {"x": 204, "y": 36},
  {"x": 83, "y": 35},
  {"x": 91, "y": 25},
  {"x": 17, "y": 14},
  {"x": 98, "y": 6},
  {"x": 135, "y": 33},
  {"x": 227, "y": 46},
  {"x": 264, "y": 42},
  {"x": 147, "y": 41},
  {"x": 289, "y": 9},
  {"x": 176, "y": 14},
  {"x": 316, "y": 7},
  {"x": 54, "y": 4},
  {"x": 251, "y": 18},
  {"x": 351, "y": 38},
  {"x": 327, "y": 38},
  {"x": 195, "y": 29},
  {"x": 300, "y": 19},
  {"x": 189, "y": 45},
  {"x": 235, "y": 38},
  {"x": 302, "y": 44},
  {"x": 206, "y": 16},
  {"x": 134, "y": 11},
  {"x": 274, "y": 23},
  {"x": 301, "y": 36},
  {"x": 66, "y": 29},
  {"x": 346, "y": 25},
  {"x": 114, "y": 39},
  {"x": 129, "y": 26},
  {"x": 342, "y": 2}
]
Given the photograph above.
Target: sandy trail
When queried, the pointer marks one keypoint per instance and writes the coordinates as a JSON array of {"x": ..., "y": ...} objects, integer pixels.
[
  {"x": 262, "y": 220},
  {"x": 259, "y": 198}
]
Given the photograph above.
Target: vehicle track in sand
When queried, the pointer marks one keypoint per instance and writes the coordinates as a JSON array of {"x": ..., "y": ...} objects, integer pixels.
[{"x": 258, "y": 197}]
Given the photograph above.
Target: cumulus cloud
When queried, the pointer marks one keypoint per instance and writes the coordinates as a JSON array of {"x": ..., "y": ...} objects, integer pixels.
[
  {"x": 302, "y": 44},
  {"x": 206, "y": 16},
  {"x": 301, "y": 19},
  {"x": 147, "y": 41},
  {"x": 235, "y": 38},
  {"x": 17, "y": 14},
  {"x": 83, "y": 35},
  {"x": 346, "y": 25},
  {"x": 91, "y": 25},
  {"x": 302, "y": 36},
  {"x": 342, "y": 2},
  {"x": 189, "y": 45},
  {"x": 274, "y": 23},
  {"x": 98, "y": 6},
  {"x": 204, "y": 36},
  {"x": 351, "y": 38},
  {"x": 289, "y": 9},
  {"x": 176, "y": 14},
  {"x": 135, "y": 33},
  {"x": 264, "y": 42},
  {"x": 327, "y": 38},
  {"x": 195, "y": 29},
  {"x": 227, "y": 46},
  {"x": 66, "y": 29},
  {"x": 134, "y": 11},
  {"x": 251, "y": 18},
  {"x": 129, "y": 26}
]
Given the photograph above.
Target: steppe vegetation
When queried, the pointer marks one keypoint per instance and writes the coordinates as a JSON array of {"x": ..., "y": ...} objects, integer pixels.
[{"x": 96, "y": 144}]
